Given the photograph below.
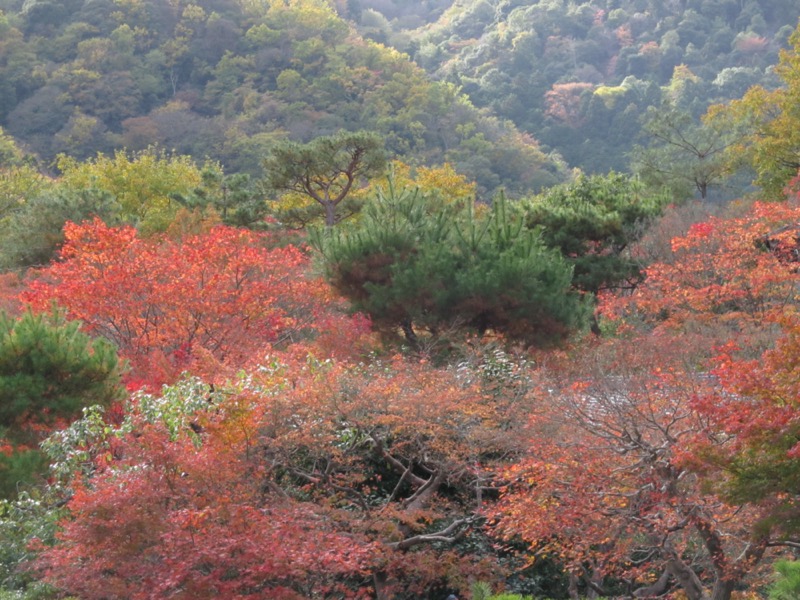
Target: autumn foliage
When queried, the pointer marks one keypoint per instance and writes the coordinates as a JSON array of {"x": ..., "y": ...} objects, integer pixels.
[
  {"x": 607, "y": 461},
  {"x": 726, "y": 279},
  {"x": 260, "y": 439},
  {"x": 176, "y": 518},
  {"x": 666, "y": 457},
  {"x": 302, "y": 478},
  {"x": 658, "y": 460},
  {"x": 563, "y": 102},
  {"x": 223, "y": 296},
  {"x": 605, "y": 489},
  {"x": 757, "y": 409}
]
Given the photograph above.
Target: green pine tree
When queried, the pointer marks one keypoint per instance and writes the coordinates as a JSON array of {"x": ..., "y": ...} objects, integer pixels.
[
  {"x": 592, "y": 222},
  {"x": 787, "y": 586},
  {"x": 416, "y": 263},
  {"x": 49, "y": 371}
]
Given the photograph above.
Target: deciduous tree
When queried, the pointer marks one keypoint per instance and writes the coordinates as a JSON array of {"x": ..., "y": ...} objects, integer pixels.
[
  {"x": 142, "y": 183},
  {"x": 608, "y": 490},
  {"x": 727, "y": 277},
  {"x": 190, "y": 515},
  {"x": 682, "y": 156},
  {"x": 771, "y": 119},
  {"x": 159, "y": 300},
  {"x": 300, "y": 478},
  {"x": 756, "y": 410}
]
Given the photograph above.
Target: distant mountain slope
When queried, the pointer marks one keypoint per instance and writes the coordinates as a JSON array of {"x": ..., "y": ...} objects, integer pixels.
[
  {"x": 226, "y": 78},
  {"x": 578, "y": 75}
]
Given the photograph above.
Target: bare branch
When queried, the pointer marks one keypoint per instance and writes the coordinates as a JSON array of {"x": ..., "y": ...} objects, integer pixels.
[{"x": 448, "y": 535}]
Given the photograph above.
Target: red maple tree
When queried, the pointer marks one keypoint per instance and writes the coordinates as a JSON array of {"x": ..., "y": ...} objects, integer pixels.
[{"x": 221, "y": 298}]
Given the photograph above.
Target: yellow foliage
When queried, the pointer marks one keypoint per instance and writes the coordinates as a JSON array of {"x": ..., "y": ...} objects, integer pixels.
[
  {"x": 441, "y": 180},
  {"x": 770, "y": 120},
  {"x": 142, "y": 183},
  {"x": 297, "y": 210},
  {"x": 681, "y": 76},
  {"x": 610, "y": 94},
  {"x": 188, "y": 223},
  {"x": 18, "y": 184}
]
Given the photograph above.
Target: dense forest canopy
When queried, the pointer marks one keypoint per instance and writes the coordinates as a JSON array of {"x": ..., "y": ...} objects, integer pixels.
[
  {"x": 226, "y": 80},
  {"x": 578, "y": 76}
]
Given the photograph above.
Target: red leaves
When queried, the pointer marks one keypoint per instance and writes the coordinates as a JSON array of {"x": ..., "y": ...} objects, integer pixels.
[
  {"x": 727, "y": 277},
  {"x": 607, "y": 480},
  {"x": 563, "y": 102},
  {"x": 160, "y": 300},
  {"x": 172, "y": 520},
  {"x": 757, "y": 410},
  {"x": 304, "y": 478}
]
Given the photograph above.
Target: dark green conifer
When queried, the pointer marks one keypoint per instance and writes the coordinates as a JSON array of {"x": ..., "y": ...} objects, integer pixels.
[
  {"x": 592, "y": 222},
  {"x": 49, "y": 371},
  {"x": 417, "y": 263}
]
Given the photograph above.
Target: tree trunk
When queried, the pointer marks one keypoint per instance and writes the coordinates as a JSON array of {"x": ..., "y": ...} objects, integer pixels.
[
  {"x": 723, "y": 589},
  {"x": 379, "y": 581},
  {"x": 330, "y": 213},
  {"x": 573, "y": 587},
  {"x": 656, "y": 589},
  {"x": 687, "y": 579},
  {"x": 411, "y": 336},
  {"x": 703, "y": 187}
]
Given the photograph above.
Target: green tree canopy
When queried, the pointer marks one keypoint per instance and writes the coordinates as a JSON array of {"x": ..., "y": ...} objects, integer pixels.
[
  {"x": 32, "y": 233},
  {"x": 49, "y": 371},
  {"x": 235, "y": 197},
  {"x": 592, "y": 222},
  {"x": 326, "y": 169},
  {"x": 142, "y": 183},
  {"x": 683, "y": 156},
  {"x": 10, "y": 154},
  {"x": 411, "y": 262}
]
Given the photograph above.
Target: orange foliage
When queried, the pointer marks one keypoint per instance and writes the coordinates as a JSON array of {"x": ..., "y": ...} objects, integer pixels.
[
  {"x": 727, "y": 277},
  {"x": 752, "y": 44},
  {"x": 624, "y": 35},
  {"x": 606, "y": 488},
  {"x": 296, "y": 480},
  {"x": 639, "y": 451},
  {"x": 756, "y": 409},
  {"x": 162, "y": 300},
  {"x": 563, "y": 102}
]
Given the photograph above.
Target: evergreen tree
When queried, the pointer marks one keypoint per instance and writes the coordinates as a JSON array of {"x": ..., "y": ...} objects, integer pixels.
[
  {"x": 787, "y": 585},
  {"x": 234, "y": 197},
  {"x": 415, "y": 263},
  {"x": 592, "y": 222},
  {"x": 326, "y": 169},
  {"x": 33, "y": 232},
  {"x": 49, "y": 371}
]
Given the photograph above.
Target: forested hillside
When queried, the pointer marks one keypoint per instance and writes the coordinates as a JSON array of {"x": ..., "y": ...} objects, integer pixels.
[
  {"x": 579, "y": 76},
  {"x": 226, "y": 79}
]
